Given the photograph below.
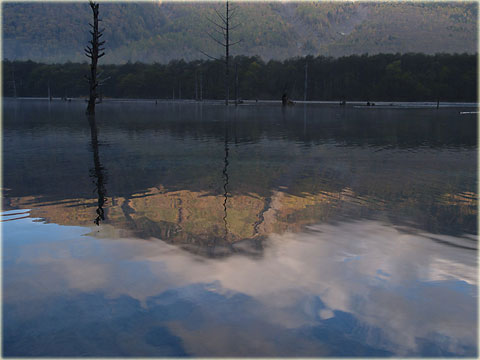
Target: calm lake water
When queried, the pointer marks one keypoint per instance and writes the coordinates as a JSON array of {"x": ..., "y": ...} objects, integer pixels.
[{"x": 256, "y": 231}]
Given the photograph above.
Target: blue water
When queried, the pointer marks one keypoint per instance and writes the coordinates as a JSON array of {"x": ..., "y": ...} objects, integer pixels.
[{"x": 309, "y": 231}]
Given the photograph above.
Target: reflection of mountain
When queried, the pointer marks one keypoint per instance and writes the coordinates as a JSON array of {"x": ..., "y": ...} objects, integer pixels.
[
  {"x": 165, "y": 168},
  {"x": 196, "y": 218}
]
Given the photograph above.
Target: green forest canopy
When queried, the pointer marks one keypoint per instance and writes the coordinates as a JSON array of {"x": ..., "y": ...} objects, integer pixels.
[{"x": 387, "y": 77}]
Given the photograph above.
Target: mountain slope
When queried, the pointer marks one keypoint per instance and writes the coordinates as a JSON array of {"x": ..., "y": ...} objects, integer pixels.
[{"x": 160, "y": 32}]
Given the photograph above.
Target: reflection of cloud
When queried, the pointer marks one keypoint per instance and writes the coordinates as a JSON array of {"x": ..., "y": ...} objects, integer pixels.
[{"x": 407, "y": 285}]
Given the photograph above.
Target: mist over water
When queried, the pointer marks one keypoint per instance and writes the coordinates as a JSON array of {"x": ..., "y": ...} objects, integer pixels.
[{"x": 314, "y": 230}]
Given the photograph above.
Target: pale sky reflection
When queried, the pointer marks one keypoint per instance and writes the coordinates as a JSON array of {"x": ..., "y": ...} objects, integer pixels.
[{"x": 401, "y": 282}]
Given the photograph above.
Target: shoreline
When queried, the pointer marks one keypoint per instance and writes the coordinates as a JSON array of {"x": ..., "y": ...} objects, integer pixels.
[{"x": 356, "y": 104}]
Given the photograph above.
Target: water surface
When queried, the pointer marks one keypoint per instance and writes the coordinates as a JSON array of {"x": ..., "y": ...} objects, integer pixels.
[{"x": 196, "y": 230}]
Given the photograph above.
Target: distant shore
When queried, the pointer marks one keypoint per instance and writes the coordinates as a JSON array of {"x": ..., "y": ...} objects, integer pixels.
[
  {"x": 357, "y": 104},
  {"x": 383, "y": 77}
]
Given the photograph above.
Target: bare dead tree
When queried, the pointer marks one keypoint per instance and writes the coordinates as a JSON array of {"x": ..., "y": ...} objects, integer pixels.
[
  {"x": 236, "y": 84},
  {"x": 306, "y": 81},
  {"x": 222, "y": 28},
  {"x": 201, "y": 86},
  {"x": 94, "y": 51},
  {"x": 196, "y": 87},
  {"x": 14, "y": 85}
]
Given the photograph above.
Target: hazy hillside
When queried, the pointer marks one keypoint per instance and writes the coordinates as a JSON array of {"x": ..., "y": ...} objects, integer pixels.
[{"x": 159, "y": 32}]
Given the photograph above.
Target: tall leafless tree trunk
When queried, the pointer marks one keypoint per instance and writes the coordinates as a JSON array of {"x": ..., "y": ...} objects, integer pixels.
[
  {"x": 201, "y": 87},
  {"x": 236, "y": 84},
  {"x": 306, "y": 81},
  {"x": 227, "y": 56},
  {"x": 196, "y": 86},
  {"x": 224, "y": 29},
  {"x": 14, "y": 84},
  {"x": 93, "y": 52}
]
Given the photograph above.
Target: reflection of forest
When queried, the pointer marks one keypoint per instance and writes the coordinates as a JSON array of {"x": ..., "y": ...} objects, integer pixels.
[
  {"x": 188, "y": 217},
  {"x": 316, "y": 164}
]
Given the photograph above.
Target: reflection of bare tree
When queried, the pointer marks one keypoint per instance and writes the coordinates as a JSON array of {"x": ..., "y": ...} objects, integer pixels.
[
  {"x": 225, "y": 184},
  {"x": 98, "y": 171},
  {"x": 226, "y": 242}
]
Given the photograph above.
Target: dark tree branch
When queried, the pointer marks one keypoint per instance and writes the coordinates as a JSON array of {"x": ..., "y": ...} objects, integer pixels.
[
  {"x": 222, "y": 33},
  {"x": 214, "y": 23},
  {"x": 218, "y": 42},
  {"x": 224, "y": 20},
  {"x": 235, "y": 26},
  {"x": 236, "y": 42},
  {"x": 232, "y": 13},
  {"x": 103, "y": 81},
  {"x": 211, "y": 57}
]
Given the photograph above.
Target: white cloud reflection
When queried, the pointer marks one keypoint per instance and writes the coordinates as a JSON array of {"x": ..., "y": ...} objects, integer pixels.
[{"x": 405, "y": 284}]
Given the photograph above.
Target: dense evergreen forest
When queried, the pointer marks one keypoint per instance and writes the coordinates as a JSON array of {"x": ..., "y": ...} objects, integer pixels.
[{"x": 387, "y": 77}]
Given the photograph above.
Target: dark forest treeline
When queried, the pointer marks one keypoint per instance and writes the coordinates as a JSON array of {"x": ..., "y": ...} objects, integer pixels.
[{"x": 389, "y": 77}]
